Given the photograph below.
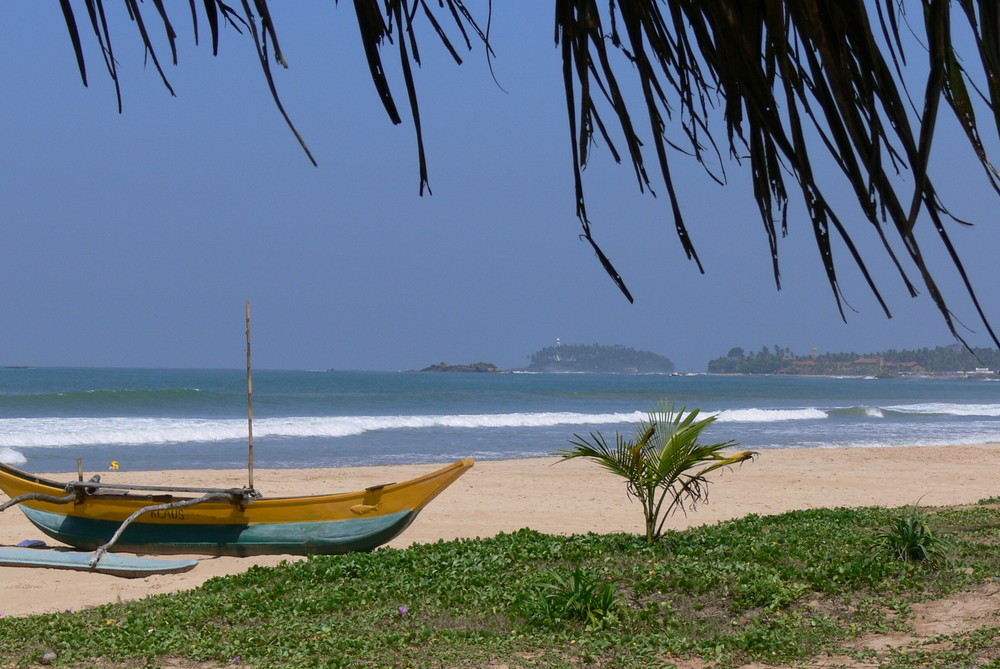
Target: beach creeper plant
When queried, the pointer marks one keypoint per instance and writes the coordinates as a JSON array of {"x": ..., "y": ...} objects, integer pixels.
[{"x": 664, "y": 465}]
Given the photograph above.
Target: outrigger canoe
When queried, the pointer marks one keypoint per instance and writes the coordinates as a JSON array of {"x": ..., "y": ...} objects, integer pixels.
[{"x": 153, "y": 519}]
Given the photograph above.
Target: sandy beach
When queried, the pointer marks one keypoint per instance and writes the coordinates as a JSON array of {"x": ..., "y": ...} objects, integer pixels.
[{"x": 543, "y": 494}]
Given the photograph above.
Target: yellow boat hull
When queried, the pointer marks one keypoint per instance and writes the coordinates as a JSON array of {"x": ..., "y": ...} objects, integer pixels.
[{"x": 320, "y": 524}]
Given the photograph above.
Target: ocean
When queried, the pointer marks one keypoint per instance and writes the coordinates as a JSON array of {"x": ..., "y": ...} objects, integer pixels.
[{"x": 148, "y": 419}]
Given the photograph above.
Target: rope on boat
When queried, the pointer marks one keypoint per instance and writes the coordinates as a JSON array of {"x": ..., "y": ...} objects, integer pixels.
[
  {"x": 38, "y": 497},
  {"x": 210, "y": 497}
]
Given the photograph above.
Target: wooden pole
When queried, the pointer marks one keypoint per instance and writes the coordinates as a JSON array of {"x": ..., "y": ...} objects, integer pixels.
[{"x": 249, "y": 401}]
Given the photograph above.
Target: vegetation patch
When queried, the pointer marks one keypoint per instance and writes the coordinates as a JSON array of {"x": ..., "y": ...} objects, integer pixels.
[{"x": 776, "y": 590}]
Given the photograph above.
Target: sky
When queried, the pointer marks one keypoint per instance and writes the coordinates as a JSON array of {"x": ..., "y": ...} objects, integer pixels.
[{"x": 134, "y": 239}]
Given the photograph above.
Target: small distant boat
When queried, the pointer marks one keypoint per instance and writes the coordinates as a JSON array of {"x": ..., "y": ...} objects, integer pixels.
[{"x": 158, "y": 520}]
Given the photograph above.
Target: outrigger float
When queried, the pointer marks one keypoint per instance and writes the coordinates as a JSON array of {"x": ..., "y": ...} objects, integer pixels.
[
  {"x": 125, "y": 566},
  {"x": 94, "y": 516}
]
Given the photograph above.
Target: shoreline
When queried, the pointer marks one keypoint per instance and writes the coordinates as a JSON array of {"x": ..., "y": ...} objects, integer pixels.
[{"x": 543, "y": 494}]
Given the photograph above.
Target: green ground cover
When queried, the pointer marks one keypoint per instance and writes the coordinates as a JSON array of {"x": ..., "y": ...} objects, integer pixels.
[{"x": 777, "y": 590}]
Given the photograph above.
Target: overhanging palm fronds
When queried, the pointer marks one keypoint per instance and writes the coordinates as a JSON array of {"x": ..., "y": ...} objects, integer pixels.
[
  {"x": 664, "y": 466},
  {"x": 790, "y": 80},
  {"x": 782, "y": 71}
]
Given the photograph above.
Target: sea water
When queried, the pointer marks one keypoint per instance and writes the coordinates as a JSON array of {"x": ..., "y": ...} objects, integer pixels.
[{"x": 186, "y": 419}]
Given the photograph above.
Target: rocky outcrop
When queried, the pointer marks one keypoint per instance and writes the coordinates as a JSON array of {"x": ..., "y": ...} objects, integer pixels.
[{"x": 471, "y": 367}]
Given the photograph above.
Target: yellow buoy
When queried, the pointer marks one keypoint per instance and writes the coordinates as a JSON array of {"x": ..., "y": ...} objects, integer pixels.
[{"x": 114, "y": 464}]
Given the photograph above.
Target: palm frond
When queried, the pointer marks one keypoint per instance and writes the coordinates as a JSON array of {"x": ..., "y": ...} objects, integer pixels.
[
  {"x": 619, "y": 459},
  {"x": 771, "y": 73},
  {"x": 777, "y": 67}
]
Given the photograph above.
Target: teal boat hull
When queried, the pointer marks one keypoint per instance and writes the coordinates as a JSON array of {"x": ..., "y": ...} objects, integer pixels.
[{"x": 306, "y": 538}]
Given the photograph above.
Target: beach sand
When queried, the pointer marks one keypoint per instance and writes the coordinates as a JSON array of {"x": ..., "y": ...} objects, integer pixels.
[{"x": 542, "y": 494}]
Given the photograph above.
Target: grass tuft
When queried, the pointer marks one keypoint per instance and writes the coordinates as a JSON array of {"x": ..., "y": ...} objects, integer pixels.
[{"x": 910, "y": 540}]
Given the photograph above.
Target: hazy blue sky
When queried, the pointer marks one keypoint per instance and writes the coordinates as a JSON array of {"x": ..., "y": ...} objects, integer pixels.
[{"x": 134, "y": 239}]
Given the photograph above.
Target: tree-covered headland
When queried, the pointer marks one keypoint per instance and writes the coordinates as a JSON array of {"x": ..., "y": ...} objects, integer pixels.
[{"x": 940, "y": 360}]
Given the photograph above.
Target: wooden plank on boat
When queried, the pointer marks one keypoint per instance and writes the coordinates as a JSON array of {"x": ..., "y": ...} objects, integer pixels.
[
  {"x": 90, "y": 486},
  {"x": 113, "y": 564}
]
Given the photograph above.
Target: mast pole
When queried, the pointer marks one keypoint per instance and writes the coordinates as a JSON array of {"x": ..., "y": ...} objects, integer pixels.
[{"x": 249, "y": 402}]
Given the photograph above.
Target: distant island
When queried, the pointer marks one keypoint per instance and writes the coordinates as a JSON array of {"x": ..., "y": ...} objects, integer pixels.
[
  {"x": 943, "y": 360},
  {"x": 471, "y": 367},
  {"x": 598, "y": 358},
  {"x": 570, "y": 358}
]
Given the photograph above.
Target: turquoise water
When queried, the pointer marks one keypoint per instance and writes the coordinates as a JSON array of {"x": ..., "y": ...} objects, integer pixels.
[{"x": 170, "y": 419}]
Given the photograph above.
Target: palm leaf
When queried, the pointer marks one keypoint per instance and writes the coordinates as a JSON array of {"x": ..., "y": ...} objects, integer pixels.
[
  {"x": 770, "y": 72},
  {"x": 619, "y": 459}
]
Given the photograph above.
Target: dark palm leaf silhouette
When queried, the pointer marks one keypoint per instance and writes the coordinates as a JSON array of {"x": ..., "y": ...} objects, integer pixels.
[{"x": 774, "y": 72}]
